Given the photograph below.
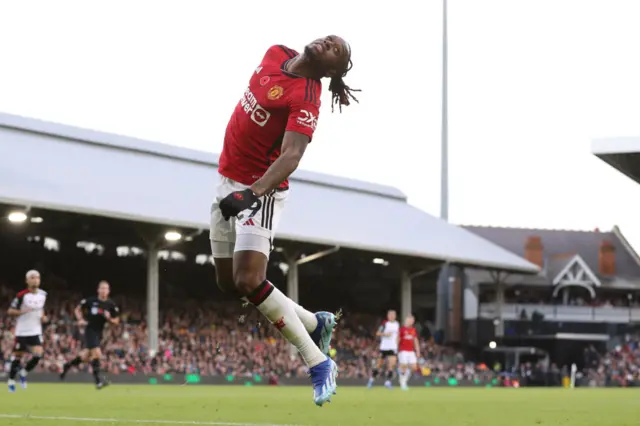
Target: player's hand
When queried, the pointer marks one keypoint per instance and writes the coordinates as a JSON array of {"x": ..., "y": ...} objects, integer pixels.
[
  {"x": 82, "y": 323},
  {"x": 107, "y": 315},
  {"x": 239, "y": 201},
  {"x": 44, "y": 319},
  {"x": 26, "y": 310}
]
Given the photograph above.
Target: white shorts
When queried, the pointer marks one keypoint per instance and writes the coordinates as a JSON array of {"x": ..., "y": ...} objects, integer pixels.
[
  {"x": 253, "y": 233},
  {"x": 407, "y": 358}
]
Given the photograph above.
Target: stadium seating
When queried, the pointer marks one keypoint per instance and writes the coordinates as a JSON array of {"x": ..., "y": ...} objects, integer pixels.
[{"x": 215, "y": 339}]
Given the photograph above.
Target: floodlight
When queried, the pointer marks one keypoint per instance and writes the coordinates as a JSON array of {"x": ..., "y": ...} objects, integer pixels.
[
  {"x": 17, "y": 217},
  {"x": 173, "y": 236}
]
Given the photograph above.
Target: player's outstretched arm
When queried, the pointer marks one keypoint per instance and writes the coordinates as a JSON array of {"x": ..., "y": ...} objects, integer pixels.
[
  {"x": 78, "y": 313},
  {"x": 16, "y": 312},
  {"x": 111, "y": 318},
  {"x": 113, "y": 315},
  {"x": 294, "y": 145}
]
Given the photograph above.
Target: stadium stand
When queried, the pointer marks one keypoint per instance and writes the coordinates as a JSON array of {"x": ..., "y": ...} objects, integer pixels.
[{"x": 215, "y": 339}]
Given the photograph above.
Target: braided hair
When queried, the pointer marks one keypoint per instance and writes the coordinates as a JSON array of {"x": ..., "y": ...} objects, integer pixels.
[{"x": 341, "y": 94}]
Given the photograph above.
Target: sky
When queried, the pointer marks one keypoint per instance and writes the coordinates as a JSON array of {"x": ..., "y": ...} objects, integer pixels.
[{"x": 531, "y": 82}]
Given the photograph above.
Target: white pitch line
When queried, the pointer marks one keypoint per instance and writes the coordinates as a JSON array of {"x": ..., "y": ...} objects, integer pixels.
[{"x": 137, "y": 421}]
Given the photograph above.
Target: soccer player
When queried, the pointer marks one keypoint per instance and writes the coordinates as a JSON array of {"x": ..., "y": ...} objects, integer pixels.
[
  {"x": 388, "y": 334},
  {"x": 28, "y": 307},
  {"x": 265, "y": 139},
  {"x": 409, "y": 351},
  {"x": 94, "y": 312}
]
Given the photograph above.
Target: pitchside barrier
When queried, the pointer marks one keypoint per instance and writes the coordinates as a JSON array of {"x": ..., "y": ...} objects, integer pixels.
[{"x": 194, "y": 379}]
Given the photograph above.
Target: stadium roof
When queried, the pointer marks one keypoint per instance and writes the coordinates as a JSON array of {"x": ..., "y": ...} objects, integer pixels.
[
  {"x": 64, "y": 168},
  {"x": 622, "y": 154}
]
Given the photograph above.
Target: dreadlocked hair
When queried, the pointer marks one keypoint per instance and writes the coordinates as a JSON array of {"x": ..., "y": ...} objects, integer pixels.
[{"x": 341, "y": 94}]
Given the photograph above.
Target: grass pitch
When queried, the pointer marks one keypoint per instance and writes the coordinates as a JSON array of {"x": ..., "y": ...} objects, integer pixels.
[{"x": 71, "y": 405}]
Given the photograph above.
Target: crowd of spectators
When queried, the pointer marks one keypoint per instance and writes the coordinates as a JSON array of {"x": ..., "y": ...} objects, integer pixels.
[
  {"x": 216, "y": 339},
  {"x": 619, "y": 366},
  {"x": 544, "y": 297},
  {"x": 224, "y": 338}
]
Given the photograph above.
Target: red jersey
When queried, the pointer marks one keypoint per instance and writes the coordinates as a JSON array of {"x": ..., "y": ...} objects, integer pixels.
[
  {"x": 275, "y": 102},
  {"x": 407, "y": 339}
]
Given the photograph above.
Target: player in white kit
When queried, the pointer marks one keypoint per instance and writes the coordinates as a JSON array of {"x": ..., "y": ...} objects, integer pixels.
[
  {"x": 28, "y": 307},
  {"x": 388, "y": 333}
]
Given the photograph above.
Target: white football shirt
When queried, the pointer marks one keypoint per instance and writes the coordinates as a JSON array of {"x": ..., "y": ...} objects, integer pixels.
[
  {"x": 30, "y": 324},
  {"x": 390, "y": 343}
]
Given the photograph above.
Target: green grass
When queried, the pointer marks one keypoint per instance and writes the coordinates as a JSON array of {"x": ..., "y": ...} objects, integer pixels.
[{"x": 294, "y": 406}]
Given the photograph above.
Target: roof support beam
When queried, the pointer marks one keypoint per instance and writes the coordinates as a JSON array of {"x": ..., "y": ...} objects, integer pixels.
[
  {"x": 317, "y": 255},
  {"x": 153, "y": 298},
  {"x": 406, "y": 302},
  {"x": 154, "y": 245},
  {"x": 293, "y": 262}
]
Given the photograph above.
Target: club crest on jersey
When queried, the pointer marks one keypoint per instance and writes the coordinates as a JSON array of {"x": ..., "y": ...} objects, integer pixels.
[
  {"x": 275, "y": 93},
  {"x": 264, "y": 80}
]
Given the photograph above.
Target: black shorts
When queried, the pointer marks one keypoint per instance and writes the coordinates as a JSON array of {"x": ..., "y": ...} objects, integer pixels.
[
  {"x": 25, "y": 343},
  {"x": 92, "y": 338},
  {"x": 385, "y": 354}
]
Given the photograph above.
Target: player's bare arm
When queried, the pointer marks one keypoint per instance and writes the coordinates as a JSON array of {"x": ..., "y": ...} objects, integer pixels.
[
  {"x": 79, "y": 317},
  {"x": 110, "y": 319},
  {"x": 294, "y": 145},
  {"x": 416, "y": 343},
  {"x": 14, "y": 312},
  {"x": 17, "y": 312}
]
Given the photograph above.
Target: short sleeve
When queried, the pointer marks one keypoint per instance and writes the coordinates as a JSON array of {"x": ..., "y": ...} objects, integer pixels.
[
  {"x": 304, "y": 108},
  {"x": 115, "y": 311},
  {"x": 16, "y": 302}
]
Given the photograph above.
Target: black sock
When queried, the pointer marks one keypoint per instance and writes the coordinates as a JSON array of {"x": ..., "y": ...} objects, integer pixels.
[
  {"x": 263, "y": 291},
  {"x": 375, "y": 373},
  {"x": 73, "y": 363},
  {"x": 32, "y": 363},
  {"x": 95, "y": 366},
  {"x": 389, "y": 374},
  {"x": 15, "y": 367}
]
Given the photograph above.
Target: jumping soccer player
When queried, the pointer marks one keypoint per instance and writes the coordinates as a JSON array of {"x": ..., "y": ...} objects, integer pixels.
[
  {"x": 94, "y": 312},
  {"x": 388, "y": 334},
  {"x": 265, "y": 139},
  {"x": 28, "y": 307},
  {"x": 409, "y": 351}
]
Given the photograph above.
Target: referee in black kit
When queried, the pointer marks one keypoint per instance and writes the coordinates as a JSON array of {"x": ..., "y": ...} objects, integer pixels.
[{"x": 94, "y": 312}]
